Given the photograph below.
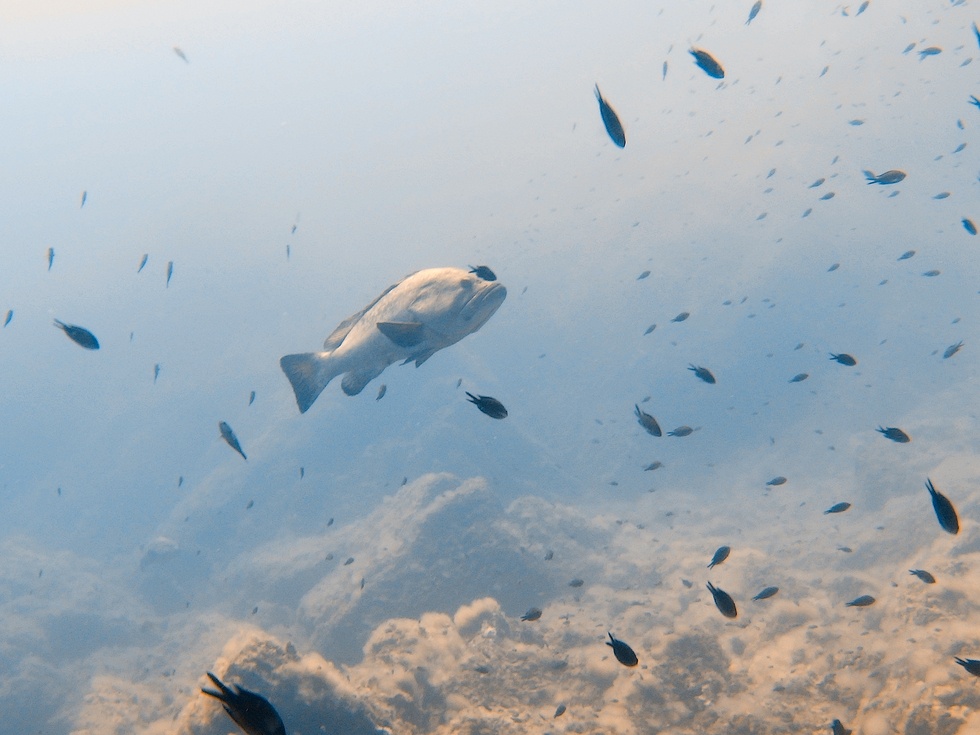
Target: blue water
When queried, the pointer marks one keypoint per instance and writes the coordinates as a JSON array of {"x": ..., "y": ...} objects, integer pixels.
[{"x": 304, "y": 157}]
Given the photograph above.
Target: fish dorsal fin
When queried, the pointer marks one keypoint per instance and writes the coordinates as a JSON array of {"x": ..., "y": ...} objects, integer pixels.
[
  {"x": 343, "y": 329},
  {"x": 403, "y": 334}
]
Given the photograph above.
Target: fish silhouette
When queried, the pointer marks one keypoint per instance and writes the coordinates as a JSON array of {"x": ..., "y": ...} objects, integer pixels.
[
  {"x": 723, "y": 601},
  {"x": 78, "y": 335},
  {"x": 720, "y": 555},
  {"x": 648, "y": 422},
  {"x": 229, "y": 436},
  {"x": 488, "y": 405},
  {"x": 945, "y": 512},
  {"x": 623, "y": 653},
  {"x": 708, "y": 63},
  {"x": 611, "y": 120},
  {"x": 252, "y": 712}
]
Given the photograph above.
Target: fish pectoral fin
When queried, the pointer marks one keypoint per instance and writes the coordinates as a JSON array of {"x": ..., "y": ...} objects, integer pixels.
[
  {"x": 403, "y": 334},
  {"x": 419, "y": 359}
]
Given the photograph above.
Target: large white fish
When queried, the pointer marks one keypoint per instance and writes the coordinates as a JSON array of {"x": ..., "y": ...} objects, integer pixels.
[{"x": 411, "y": 320}]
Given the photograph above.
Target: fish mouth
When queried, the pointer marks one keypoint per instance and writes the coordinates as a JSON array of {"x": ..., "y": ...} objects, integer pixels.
[{"x": 482, "y": 305}]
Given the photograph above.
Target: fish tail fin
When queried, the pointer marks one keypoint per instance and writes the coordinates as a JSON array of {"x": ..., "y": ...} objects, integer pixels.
[
  {"x": 223, "y": 694},
  {"x": 309, "y": 374}
]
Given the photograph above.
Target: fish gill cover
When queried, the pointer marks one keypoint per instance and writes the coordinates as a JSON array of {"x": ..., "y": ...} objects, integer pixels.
[{"x": 254, "y": 174}]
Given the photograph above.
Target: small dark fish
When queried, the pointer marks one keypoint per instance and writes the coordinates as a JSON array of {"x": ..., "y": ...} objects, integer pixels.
[
  {"x": 707, "y": 62},
  {"x": 84, "y": 198},
  {"x": 723, "y": 601},
  {"x": 703, "y": 373},
  {"x": 229, "y": 436},
  {"x": 681, "y": 431},
  {"x": 78, "y": 335},
  {"x": 252, "y": 712},
  {"x": 180, "y": 481},
  {"x": 484, "y": 272},
  {"x": 647, "y": 421},
  {"x": 906, "y": 255},
  {"x": 50, "y": 257},
  {"x": 976, "y": 32},
  {"x": 950, "y": 351},
  {"x": 771, "y": 173},
  {"x": 302, "y": 472},
  {"x": 766, "y": 593},
  {"x": 862, "y": 7},
  {"x": 251, "y": 398},
  {"x": 931, "y": 274},
  {"x": 754, "y": 11},
  {"x": 807, "y": 212},
  {"x": 945, "y": 512},
  {"x": 799, "y": 377},
  {"x": 665, "y": 72},
  {"x": 837, "y": 508},
  {"x": 959, "y": 148},
  {"x": 549, "y": 556},
  {"x": 824, "y": 71},
  {"x": 653, "y": 466},
  {"x": 931, "y": 51},
  {"x": 146, "y": 257},
  {"x": 249, "y": 504},
  {"x": 862, "y": 601},
  {"x": 833, "y": 267},
  {"x": 817, "y": 183},
  {"x": 382, "y": 389},
  {"x": 923, "y": 575},
  {"x": 181, "y": 54},
  {"x": 777, "y": 481},
  {"x": 895, "y": 434},
  {"x": 156, "y": 372},
  {"x": 889, "y": 177},
  {"x": 531, "y": 615},
  {"x": 971, "y": 665},
  {"x": 720, "y": 555},
  {"x": 611, "y": 120},
  {"x": 909, "y": 48},
  {"x": 828, "y": 196},
  {"x": 837, "y": 728},
  {"x": 681, "y": 317},
  {"x": 649, "y": 329},
  {"x": 845, "y": 549},
  {"x": 643, "y": 275},
  {"x": 624, "y": 654},
  {"x": 967, "y": 225},
  {"x": 490, "y": 406},
  {"x": 10, "y": 315},
  {"x": 844, "y": 359},
  {"x": 170, "y": 272},
  {"x": 942, "y": 195},
  {"x": 576, "y": 582},
  {"x": 350, "y": 560},
  {"x": 330, "y": 522},
  {"x": 856, "y": 122},
  {"x": 560, "y": 711}
]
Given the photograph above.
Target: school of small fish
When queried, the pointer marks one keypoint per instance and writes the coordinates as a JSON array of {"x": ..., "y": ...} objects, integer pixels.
[{"x": 406, "y": 324}]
